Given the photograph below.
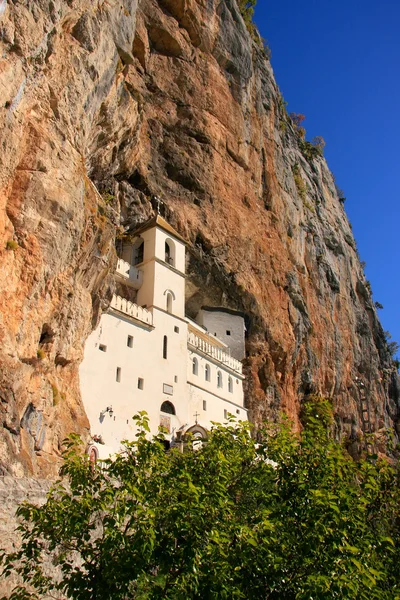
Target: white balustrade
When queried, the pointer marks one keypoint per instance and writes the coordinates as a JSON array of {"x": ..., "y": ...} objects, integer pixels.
[
  {"x": 215, "y": 352},
  {"x": 129, "y": 273},
  {"x": 131, "y": 309}
]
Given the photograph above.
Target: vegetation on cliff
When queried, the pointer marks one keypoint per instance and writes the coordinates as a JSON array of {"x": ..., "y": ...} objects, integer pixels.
[{"x": 283, "y": 517}]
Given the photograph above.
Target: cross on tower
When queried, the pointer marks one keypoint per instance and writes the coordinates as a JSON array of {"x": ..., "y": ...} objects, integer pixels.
[
  {"x": 196, "y": 415},
  {"x": 157, "y": 204}
]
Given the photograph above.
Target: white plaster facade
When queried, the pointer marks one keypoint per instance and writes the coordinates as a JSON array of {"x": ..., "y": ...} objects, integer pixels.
[
  {"x": 227, "y": 325},
  {"x": 147, "y": 353}
]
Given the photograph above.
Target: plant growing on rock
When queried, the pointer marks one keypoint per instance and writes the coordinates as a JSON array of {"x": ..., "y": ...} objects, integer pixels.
[
  {"x": 312, "y": 149},
  {"x": 308, "y": 150},
  {"x": 11, "y": 245},
  {"x": 246, "y": 8},
  {"x": 299, "y": 181},
  {"x": 267, "y": 49},
  {"x": 108, "y": 197},
  {"x": 41, "y": 354},
  {"x": 297, "y": 120},
  {"x": 286, "y": 517},
  {"x": 340, "y": 194},
  {"x": 392, "y": 346},
  {"x": 319, "y": 143}
]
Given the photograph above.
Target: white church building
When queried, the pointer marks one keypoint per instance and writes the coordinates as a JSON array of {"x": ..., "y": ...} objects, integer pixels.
[{"x": 146, "y": 354}]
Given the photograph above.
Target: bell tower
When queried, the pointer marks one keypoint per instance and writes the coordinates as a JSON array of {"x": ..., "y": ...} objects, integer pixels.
[{"x": 159, "y": 252}]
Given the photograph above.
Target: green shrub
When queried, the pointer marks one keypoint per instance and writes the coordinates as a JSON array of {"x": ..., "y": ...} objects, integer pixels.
[
  {"x": 41, "y": 354},
  {"x": 11, "y": 245},
  {"x": 392, "y": 346},
  {"x": 287, "y": 516},
  {"x": 300, "y": 184},
  {"x": 267, "y": 49},
  {"x": 308, "y": 150},
  {"x": 56, "y": 395},
  {"x": 246, "y": 8},
  {"x": 108, "y": 198},
  {"x": 340, "y": 193},
  {"x": 319, "y": 143}
]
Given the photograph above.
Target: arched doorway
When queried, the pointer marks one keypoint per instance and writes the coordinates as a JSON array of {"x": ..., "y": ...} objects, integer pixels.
[{"x": 167, "y": 413}]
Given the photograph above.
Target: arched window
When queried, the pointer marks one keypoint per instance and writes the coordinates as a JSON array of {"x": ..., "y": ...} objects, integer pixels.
[
  {"x": 230, "y": 385},
  {"x": 138, "y": 252},
  {"x": 165, "y": 347},
  {"x": 219, "y": 379},
  {"x": 168, "y": 407},
  {"x": 207, "y": 373},
  {"x": 170, "y": 252},
  {"x": 195, "y": 366},
  {"x": 168, "y": 257},
  {"x": 169, "y": 302}
]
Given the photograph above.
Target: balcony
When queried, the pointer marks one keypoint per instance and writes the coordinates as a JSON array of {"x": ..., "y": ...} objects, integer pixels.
[
  {"x": 131, "y": 310},
  {"x": 214, "y": 352},
  {"x": 129, "y": 274}
]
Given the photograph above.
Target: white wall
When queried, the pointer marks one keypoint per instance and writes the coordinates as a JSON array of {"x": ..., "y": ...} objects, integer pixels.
[
  {"x": 235, "y": 396},
  {"x": 100, "y": 388},
  {"x": 219, "y": 322},
  {"x": 159, "y": 277},
  {"x": 145, "y": 360},
  {"x": 215, "y": 408}
]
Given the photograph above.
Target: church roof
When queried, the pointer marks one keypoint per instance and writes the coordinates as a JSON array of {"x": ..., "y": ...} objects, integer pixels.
[
  {"x": 158, "y": 221},
  {"x": 230, "y": 311}
]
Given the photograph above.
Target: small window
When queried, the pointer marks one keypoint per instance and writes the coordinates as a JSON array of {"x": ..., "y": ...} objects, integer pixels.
[
  {"x": 140, "y": 383},
  {"x": 219, "y": 379},
  {"x": 165, "y": 347},
  {"x": 129, "y": 341},
  {"x": 230, "y": 385},
  {"x": 168, "y": 407},
  {"x": 225, "y": 414},
  {"x": 195, "y": 366},
  {"x": 176, "y": 379},
  {"x": 118, "y": 374},
  {"x": 204, "y": 404},
  {"x": 169, "y": 303},
  {"x": 207, "y": 373},
  {"x": 228, "y": 332},
  {"x": 237, "y": 411},
  {"x": 102, "y": 348},
  {"x": 176, "y": 329}
]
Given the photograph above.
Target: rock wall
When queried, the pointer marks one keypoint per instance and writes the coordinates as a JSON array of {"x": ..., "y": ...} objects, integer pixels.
[
  {"x": 12, "y": 492},
  {"x": 107, "y": 103}
]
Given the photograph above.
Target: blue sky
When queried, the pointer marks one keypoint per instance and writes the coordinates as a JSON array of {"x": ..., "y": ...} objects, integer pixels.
[{"x": 339, "y": 64}]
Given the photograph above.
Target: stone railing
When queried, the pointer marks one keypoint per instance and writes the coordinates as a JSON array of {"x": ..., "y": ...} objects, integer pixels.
[
  {"x": 214, "y": 352},
  {"x": 132, "y": 310},
  {"x": 129, "y": 273}
]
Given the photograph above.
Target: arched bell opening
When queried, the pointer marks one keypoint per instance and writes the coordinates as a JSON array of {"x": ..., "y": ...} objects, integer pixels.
[{"x": 170, "y": 252}]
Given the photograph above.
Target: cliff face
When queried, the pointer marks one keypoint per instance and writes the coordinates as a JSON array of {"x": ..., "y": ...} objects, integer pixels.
[{"x": 107, "y": 103}]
